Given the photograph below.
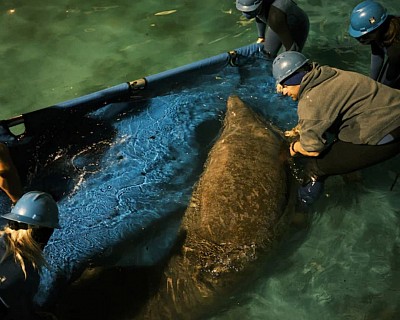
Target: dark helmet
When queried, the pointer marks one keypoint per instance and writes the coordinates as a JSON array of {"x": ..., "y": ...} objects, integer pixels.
[
  {"x": 366, "y": 17},
  {"x": 286, "y": 64},
  {"x": 35, "y": 208},
  {"x": 248, "y": 5}
]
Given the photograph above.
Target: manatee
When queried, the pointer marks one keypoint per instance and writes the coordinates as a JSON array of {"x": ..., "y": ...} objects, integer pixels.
[{"x": 239, "y": 212}]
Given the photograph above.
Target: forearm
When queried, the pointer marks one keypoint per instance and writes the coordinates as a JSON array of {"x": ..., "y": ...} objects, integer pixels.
[
  {"x": 10, "y": 182},
  {"x": 297, "y": 148},
  {"x": 11, "y": 185},
  {"x": 376, "y": 66},
  {"x": 261, "y": 27},
  {"x": 377, "y": 59},
  {"x": 391, "y": 75}
]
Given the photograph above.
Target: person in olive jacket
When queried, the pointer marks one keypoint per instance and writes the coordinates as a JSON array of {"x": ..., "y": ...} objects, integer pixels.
[{"x": 346, "y": 120}]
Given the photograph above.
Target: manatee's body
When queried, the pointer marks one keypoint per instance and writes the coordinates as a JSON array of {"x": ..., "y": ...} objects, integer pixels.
[{"x": 236, "y": 216}]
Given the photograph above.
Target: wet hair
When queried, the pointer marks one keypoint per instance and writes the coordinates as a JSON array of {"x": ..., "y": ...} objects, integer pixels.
[
  {"x": 392, "y": 33},
  {"x": 23, "y": 247}
]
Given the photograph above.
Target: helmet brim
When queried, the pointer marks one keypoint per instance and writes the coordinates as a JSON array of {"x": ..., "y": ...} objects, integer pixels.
[
  {"x": 356, "y": 33},
  {"x": 281, "y": 78},
  {"x": 251, "y": 8},
  {"x": 14, "y": 217}
]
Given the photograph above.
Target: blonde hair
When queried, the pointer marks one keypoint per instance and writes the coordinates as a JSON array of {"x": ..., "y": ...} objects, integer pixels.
[{"x": 23, "y": 247}]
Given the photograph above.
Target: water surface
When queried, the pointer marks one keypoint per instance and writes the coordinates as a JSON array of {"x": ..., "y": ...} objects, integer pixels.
[{"x": 347, "y": 266}]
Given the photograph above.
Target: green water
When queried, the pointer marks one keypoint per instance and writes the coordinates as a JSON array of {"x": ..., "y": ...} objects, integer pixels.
[
  {"x": 347, "y": 266},
  {"x": 55, "y": 52}
]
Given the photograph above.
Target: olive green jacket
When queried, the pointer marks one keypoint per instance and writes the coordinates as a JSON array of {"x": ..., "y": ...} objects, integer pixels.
[{"x": 352, "y": 106}]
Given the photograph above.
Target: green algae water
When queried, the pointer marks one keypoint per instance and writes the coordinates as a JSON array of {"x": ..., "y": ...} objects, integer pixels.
[{"x": 347, "y": 265}]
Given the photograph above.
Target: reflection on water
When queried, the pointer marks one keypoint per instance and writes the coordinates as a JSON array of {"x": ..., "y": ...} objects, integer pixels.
[
  {"x": 347, "y": 266},
  {"x": 55, "y": 52}
]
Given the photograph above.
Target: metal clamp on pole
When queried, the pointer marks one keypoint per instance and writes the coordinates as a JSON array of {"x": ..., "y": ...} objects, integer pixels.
[
  {"x": 6, "y": 135},
  {"x": 136, "y": 85},
  {"x": 14, "y": 121},
  {"x": 139, "y": 84}
]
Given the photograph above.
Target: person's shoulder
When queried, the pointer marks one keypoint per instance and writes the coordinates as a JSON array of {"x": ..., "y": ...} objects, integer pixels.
[{"x": 283, "y": 3}]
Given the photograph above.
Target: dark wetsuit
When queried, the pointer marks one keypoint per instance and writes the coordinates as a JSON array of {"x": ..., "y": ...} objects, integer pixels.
[
  {"x": 288, "y": 26},
  {"x": 16, "y": 292},
  {"x": 386, "y": 72}
]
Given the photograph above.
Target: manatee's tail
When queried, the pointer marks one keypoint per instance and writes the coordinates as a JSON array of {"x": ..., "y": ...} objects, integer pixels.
[{"x": 234, "y": 102}]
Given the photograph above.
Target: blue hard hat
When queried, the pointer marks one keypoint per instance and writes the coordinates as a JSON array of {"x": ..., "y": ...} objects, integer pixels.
[
  {"x": 366, "y": 17},
  {"x": 287, "y": 63},
  {"x": 35, "y": 208},
  {"x": 248, "y": 5}
]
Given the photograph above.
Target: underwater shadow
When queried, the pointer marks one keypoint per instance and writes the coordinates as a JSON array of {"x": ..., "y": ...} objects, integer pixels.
[
  {"x": 115, "y": 292},
  {"x": 43, "y": 154}
]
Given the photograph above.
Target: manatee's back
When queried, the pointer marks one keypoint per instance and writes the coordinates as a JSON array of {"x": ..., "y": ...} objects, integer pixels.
[
  {"x": 235, "y": 215},
  {"x": 243, "y": 192}
]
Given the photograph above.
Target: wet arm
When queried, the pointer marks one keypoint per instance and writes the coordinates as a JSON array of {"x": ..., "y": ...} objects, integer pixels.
[
  {"x": 9, "y": 179},
  {"x": 261, "y": 27},
  {"x": 296, "y": 147},
  {"x": 377, "y": 57},
  {"x": 312, "y": 136},
  {"x": 392, "y": 75}
]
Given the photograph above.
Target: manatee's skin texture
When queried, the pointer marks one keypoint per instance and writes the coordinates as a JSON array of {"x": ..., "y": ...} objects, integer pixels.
[{"x": 238, "y": 213}]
